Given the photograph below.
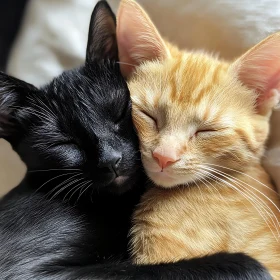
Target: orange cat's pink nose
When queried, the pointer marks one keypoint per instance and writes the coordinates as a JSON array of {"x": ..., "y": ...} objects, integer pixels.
[{"x": 165, "y": 157}]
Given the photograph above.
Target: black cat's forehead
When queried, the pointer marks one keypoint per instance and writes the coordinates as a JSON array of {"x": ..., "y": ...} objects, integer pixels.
[{"x": 95, "y": 90}]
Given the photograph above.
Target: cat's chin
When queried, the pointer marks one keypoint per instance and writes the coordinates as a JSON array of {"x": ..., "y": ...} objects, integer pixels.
[
  {"x": 120, "y": 185},
  {"x": 120, "y": 180},
  {"x": 163, "y": 179}
]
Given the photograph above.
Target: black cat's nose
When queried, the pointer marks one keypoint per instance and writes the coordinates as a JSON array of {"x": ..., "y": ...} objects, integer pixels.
[{"x": 110, "y": 160}]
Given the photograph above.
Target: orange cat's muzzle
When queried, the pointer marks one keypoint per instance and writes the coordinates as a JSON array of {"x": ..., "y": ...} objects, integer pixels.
[{"x": 165, "y": 156}]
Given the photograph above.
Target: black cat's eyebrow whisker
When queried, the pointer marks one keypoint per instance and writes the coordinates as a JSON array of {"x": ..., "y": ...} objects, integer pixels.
[
  {"x": 46, "y": 109},
  {"x": 34, "y": 112},
  {"x": 43, "y": 106}
]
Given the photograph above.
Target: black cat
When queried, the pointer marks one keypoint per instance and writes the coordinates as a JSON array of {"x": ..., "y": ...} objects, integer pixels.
[{"x": 70, "y": 216}]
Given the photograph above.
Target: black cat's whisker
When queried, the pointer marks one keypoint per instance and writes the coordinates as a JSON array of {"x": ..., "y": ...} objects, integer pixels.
[
  {"x": 250, "y": 195},
  {"x": 53, "y": 169},
  {"x": 77, "y": 188},
  {"x": 66, "y": 181},
  {"x": 85, "y": 188},
  {"x": 62, "y": 183},
  {"x": 52, "y": 180},
  {"x": 72, "y": 189},
  {"x": 88, "y": 181},
  {"x": 65, "y": 185}
]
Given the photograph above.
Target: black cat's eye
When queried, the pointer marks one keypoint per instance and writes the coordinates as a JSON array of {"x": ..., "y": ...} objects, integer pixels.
[{"x": 66, "y": 143}]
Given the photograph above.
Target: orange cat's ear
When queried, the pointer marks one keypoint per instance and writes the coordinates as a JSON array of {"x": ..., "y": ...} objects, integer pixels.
[
  {"x": 138, "y": 38},
  {"x": 259, "y": 69}
]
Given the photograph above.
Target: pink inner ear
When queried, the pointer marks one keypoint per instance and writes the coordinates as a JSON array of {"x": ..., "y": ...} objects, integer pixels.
[
  {"x": 259, "y": 69},
  {"x": 138, "y": 39}
]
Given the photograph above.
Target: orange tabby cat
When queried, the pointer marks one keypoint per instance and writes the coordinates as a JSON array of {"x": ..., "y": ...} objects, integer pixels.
[{"x": 202, "y": 124}]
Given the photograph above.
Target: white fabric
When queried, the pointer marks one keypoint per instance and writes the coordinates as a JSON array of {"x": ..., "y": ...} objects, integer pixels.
[{"x": 54, "y": 35}]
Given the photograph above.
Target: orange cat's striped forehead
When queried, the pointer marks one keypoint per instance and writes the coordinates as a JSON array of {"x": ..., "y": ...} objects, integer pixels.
[{"x": 189, "y": 85}]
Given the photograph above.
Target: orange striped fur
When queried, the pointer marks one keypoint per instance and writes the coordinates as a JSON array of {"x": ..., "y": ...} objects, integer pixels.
[{"x": 216, "y": 197}]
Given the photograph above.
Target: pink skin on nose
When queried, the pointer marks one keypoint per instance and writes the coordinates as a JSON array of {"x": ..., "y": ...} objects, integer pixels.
[{"x": 165, "y": 156}]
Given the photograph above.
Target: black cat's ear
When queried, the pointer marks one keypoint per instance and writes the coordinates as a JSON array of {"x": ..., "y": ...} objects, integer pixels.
[
  {"x": 102, "y": 41},
  {"x": 12, "y": 94}
]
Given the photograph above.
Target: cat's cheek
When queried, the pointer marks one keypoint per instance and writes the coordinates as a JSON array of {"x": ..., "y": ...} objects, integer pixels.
[
  {"x": 70, "y": 157},
  {"x": 146, "y": 130},
  {"x": 150, "y": 165}
]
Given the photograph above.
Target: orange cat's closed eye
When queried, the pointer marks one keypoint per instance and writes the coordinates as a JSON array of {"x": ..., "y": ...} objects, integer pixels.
[
  {"x": 207, "y": 130},
  {"x": 149, "y": 117}
]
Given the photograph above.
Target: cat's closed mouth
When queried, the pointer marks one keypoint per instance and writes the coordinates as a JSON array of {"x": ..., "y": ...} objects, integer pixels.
[{"x": 120, "y": 180}]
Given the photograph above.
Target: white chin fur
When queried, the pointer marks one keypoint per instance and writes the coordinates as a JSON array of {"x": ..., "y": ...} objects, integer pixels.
[{"x": 164, "y": 180}]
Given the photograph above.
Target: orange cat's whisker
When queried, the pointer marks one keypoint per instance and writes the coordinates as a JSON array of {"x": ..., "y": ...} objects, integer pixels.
[
  {"x": 240, "y": 182},
  {"x": 259, "y": 207},
  {"x": 240, "y": 172},
  {"x": 265, "y": 207},
  {"x": 203, "y": 179},
  {"x": 200, "y": 191}
]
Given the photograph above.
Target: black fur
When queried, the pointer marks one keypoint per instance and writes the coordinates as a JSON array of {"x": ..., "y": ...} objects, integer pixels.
[{"x": 70, "y": 216}]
